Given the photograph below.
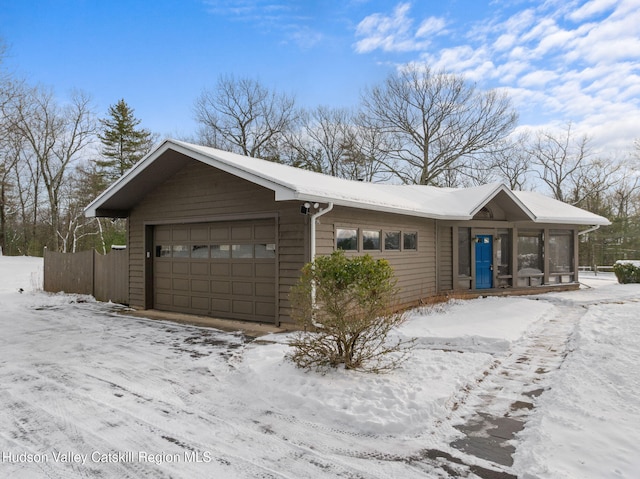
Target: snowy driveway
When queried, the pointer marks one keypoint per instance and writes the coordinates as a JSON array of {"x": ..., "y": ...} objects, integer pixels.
[{"x": 87, "y": 392}]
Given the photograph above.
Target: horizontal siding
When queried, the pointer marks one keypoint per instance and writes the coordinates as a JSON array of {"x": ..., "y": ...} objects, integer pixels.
[
  {"x": 199, "y": 192},
  {"x": 445, "y": 258},
  {"x": 414, "y": 270}
]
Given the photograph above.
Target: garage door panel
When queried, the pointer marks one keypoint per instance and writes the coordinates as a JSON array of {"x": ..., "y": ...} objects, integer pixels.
[
  {"x": 242, "y": 307},
  {"x": 265, "y": 309},
  {"x": 220, "y": 269},
  {"x": 265, "y": 290},
  {"x": 163, "y": 299},
  {"x": 224, "y": 269},
  {"x": 265, "y": 270},
  {"x": 181, "y": 301},
  {"x": 220, "y": 287},
  {"x": 201, "y": 303},
  {"x": 242, "y": 270},
  {"x": 180, "y": 267},
  {"x": 162, "y": 267},
  {"x": 219, "y": 233},
  {"x": 200, "y": 269},
  {"x": 180, "y": 284},
  {"x": 241, "y": 287},
  {"x": 162, "y": 233},
  {"x": 163, "y": 283},
  {"x": 199, "y": 233},
  {"x": 200, "y": 285},
  {"x": 243, "y": 232},
  {"x": 180, "y": 233},
  {"x": 263, "y": 232},
  {"x": 221, "y": 306}
]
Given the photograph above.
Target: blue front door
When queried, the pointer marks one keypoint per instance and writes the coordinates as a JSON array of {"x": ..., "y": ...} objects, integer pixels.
[{"x": 484, "y": 261}]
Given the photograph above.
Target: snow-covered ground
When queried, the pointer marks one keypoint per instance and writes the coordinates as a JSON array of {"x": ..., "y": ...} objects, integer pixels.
[{"x": 86, "y": 391}]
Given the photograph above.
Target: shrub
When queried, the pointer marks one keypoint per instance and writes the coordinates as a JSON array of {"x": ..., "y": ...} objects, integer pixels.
[
  {"x": 627, "y": 271},
  {"x": 354, "y": 311}
]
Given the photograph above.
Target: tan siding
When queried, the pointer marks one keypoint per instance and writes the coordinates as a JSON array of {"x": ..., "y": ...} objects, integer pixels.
[
  {"x": 415, "y": 270},
  {"x": 199, "y": 193},
  {"x": 445, "y": 258}
]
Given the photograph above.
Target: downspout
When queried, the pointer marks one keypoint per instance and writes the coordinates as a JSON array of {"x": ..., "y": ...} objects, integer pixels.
[
  {"x": 314, "y": 217},
  {"x": 589, "y": 230}
]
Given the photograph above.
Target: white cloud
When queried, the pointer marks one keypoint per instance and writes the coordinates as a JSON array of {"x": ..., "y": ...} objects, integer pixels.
[
  {"x": 560, "y": 60},
  {"x": 395, "y": 33},
  {"x": 537, "y": 79},
  {"x": 590, "y": 9},
  {"x": 505, "y": 41},
  {"x": 431, "y": 26}
]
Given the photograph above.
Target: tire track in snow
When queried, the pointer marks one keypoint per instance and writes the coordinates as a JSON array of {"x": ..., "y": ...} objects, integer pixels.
[{"x": 279, "y": 449}]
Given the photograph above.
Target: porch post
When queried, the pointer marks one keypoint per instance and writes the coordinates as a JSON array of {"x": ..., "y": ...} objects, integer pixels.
[
  {"x": 514, "y": 257},
  {"x": 545, "y": 254}
]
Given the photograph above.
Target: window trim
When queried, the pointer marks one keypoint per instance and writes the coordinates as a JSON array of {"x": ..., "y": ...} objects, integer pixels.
[
  {"x": 382, "y": 232},
  {"x": 347, "y": 228},
  {"x": 372, "y": 230},
  {"x": 410, "y": 232}
]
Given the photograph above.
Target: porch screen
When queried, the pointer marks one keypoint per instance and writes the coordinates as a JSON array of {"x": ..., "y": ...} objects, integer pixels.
[
  {"x": 464, "y": 251},
  {"x": 530, "y": 259},
  {"x": 503, "y": 251},
  {"x": 560, "y": 251}
]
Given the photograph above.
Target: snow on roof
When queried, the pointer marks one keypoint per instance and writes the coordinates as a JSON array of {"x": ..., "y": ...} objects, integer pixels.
[
  {"x": 290, "y": 183},
  {"x": 549, "y": 210}
]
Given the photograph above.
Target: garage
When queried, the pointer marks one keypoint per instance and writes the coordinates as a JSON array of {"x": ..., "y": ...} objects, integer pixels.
[{"x": 220, "y": 269}]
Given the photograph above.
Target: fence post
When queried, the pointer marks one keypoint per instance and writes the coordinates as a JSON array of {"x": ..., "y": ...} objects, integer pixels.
[
  {"x": 93, "y": 275},
  {"x": 44, "y": 269}
]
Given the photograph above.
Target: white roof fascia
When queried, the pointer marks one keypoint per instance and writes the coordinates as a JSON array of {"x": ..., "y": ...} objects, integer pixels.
[
  {"x": 289, "y": 183},
  {"x": 492, "y": 194},
  {"x": 370, "y": 206}
]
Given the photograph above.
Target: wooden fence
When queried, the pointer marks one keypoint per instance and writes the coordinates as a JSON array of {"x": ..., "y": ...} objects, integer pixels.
[{"x": 105, "y": 277}]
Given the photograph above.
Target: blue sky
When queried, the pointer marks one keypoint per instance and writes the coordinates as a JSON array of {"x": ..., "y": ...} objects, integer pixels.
[{"x": 560, "y": 60}]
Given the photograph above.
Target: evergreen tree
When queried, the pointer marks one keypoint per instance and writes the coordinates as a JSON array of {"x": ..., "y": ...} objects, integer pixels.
[{"x": 122, "y": 143}]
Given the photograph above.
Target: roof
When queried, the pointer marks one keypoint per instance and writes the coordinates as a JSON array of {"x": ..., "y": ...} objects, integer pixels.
[{"x": 289, "y": 183}]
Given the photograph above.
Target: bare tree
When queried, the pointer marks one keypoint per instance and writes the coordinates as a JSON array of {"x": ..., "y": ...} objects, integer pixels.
[
  {"x": 365, "y": 153},
  {"x": 560, "y": 158},
  {"x": 243, "y": 116},
  {"x": 434, "y": 120},
  {"x": 567, "y": 166},
  {"x": 54, "y": 135},
  {"x": 10, "y": 151},
  {"x": 512, "y": 162},
  {"x": 321, "y": 141}
]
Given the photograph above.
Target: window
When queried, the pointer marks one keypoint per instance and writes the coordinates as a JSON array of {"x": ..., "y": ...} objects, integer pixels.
[
  {"x": 464, "y": 251},
  {"x": 347, "y": 239},
  {"x": 561, "y": 251},
  {"x": 199, "y": 251},
  {"x": 220, "y": 250},
  {"x": 392, "y": 240},
  {"x": 410, "y": 241},
  {"x": 371, "y": 240},
  {"x": 163, "y": 251},
  {"x": 242, "y": 251},
  {"x": 265, "y": 250},
  {"x": 180, "y": 251}
]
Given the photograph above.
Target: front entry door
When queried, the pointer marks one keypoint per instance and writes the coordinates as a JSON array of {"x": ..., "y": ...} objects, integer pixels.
[{"x": 484, "y": 261}]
